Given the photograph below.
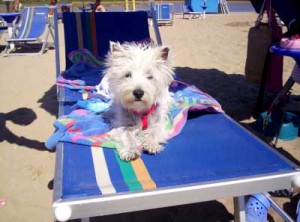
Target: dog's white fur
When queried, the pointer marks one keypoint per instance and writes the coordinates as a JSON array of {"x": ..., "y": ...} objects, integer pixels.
[{"x": 138, "y": 77}]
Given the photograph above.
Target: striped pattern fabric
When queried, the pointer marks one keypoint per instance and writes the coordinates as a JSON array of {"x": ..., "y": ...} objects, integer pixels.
[
  {"x": 34, "y": 21},
  {"x": 26, "y": 26},
  {"x": 106, "y": 173},
  {"x": 135, "y": 174},
  {"x": 93, "y": 31}
]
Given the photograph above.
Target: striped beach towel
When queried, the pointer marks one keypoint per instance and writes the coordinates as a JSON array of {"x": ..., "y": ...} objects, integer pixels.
[{"x": 90, "y": 128}]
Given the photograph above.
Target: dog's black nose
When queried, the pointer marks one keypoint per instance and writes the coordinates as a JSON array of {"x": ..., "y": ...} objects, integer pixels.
[{"x": 138, "y": 93}]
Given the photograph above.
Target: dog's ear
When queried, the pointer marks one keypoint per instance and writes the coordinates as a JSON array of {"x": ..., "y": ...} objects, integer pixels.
[
  {"x": 165, "y": 53},
  {"x": 115, "y": 47}
]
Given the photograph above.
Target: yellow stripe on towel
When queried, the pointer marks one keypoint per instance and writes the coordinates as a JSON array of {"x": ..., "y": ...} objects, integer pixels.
[{"x": 142, "y": 174}]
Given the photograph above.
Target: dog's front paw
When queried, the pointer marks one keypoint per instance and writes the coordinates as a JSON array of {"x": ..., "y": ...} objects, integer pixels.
[
  {"x": 152, "y": 146},
  {"x": 129, "y": 154}
]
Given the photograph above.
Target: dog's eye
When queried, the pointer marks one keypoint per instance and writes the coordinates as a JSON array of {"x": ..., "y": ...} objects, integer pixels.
[
  {"x": 150, "y": 77},
  {"x": 128, "y": 75}
]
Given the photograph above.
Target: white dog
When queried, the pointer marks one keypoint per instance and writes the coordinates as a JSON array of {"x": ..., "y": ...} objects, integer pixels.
[{"x": 138, "y": 77}]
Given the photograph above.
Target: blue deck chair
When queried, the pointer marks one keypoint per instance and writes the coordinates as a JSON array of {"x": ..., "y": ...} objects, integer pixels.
[
  {"x": 164, "y": 13},
  {"x": 33, "y": 31},
  {"x": 213, "y": 157},
  {"x": 199, "y": 8},
  {"x": 210, "y": 6},
  {"x": 187, "y": 10}
]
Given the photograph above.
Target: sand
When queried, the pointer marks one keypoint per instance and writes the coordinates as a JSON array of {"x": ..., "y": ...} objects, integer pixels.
[{"x": 209, "y": 53}]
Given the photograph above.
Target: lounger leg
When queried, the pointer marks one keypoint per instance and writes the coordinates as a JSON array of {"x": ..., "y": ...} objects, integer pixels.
[
  {"x": 239, "y": 209},
  {"x": 52, "y": 33},
  {"x": 10, "y": 35},
  {"x": 5, "y": 51},
  {"x": 278, "y": 210}
]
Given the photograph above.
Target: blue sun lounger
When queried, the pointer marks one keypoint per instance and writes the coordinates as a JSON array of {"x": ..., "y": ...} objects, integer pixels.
[
  {"x": 35, "y": 29},
  {"x": 213, "y": 157}
]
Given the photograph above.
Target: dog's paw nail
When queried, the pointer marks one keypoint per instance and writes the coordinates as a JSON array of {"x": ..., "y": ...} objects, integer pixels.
[
  {"x": 129, "y": 155},
  {"x": 153, "y": 148}
]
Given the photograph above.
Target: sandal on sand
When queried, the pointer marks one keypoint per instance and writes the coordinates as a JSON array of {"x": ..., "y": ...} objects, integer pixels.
[{"x": 283, "y": 193}]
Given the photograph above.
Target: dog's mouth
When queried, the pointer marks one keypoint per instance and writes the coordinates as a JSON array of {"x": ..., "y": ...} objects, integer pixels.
[
  {"x": 139, "y": 102},
  {"x": 138, "y": 105}
]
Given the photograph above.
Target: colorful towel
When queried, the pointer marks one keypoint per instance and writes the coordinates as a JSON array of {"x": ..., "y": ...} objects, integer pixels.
[
  {"x": 85, "y": 56},
  {"x": 81, "y": 77},
  {"x": 90, "y": 128}
]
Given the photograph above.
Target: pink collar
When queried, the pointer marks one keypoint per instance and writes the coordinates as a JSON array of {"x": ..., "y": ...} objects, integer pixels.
[{"x": 144, "y": 116}]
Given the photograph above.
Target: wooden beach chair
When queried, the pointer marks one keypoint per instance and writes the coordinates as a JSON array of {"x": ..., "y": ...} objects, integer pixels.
[
  {"x": 31, "y": 33},
  {"x": 213, "y": 157}
]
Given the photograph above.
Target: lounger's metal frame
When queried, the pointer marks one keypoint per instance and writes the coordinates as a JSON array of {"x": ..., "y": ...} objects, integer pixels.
[{"x": 238, "y": 188}]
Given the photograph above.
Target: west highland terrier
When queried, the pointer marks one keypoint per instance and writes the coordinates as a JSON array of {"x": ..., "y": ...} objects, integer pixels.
[{"x": 138, "y": 77}]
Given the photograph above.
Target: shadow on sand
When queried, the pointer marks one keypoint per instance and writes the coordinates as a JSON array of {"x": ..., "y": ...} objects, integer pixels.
[
  {"x": 234, "y": 93},
  {"x": 49, "y": 101},
  {"x": 32, "y": 48},
  {"x": 25, "y": 116}
]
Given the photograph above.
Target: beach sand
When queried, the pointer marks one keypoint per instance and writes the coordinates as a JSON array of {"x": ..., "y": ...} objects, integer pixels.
[{"x": 209, "y": 53}]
